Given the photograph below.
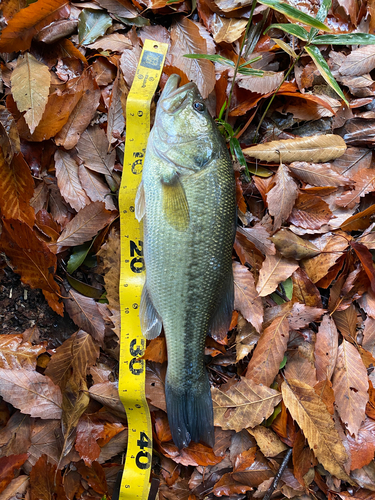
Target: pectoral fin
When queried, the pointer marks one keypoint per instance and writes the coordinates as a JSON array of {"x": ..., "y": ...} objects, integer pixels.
[
  {"x": 175, "y": 204},
  {"x": 140, "y": 203},
  {"x": 150, "y": 320},
  {"x": 222, "y": 316}
]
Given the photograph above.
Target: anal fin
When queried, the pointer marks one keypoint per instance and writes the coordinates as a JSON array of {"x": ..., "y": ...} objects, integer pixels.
[{"x": 150, "y": 320}]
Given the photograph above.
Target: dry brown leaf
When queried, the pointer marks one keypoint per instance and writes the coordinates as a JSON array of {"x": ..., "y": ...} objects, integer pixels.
[
  {"x": 85, "y": 313},
  {"x": 318, "y": 174},
  {"x": 115, "y": 42},
  {"x": 259, "y": 236},
  {"x": 326, "y": 345},
  {"x": 332, "y": 246},
  {"x": 95, "y": 187},
  {"x": 261, "y": 85},
  {"x": 155, "y": 377},
  {"x": 107, "y": 394},
  {"x": 31, "y": 392},
  {"x": 282, "y": 196},
  {"x": 190, "y": 38},
  {"x": 77, "y": 353},
  {"x": 299, "y": 366},
  {"x": 363, "y": 447},
  {"x": 275, "y": 269},
  {"x": 246, "y": 338},
  {"x": 86, "y": 224},
  {"x": 292, "y": 246},
  {"x": 242, "y": 404},
  {"x": 17, "y": 354},
  {"x": 310, "y": 212},
  {"x": 301, "y": 315},
  {"x": 68, "y": 181},
  {"x": 226, "y": 30},
  {"x": 269, "y": 443},
  {"x": 359, "y": 61},
  {"x": 269, "y": 352},
  {"x": 314, "y": 148},
  {"x": 93, "y": 148},
  {"x": 350, "y": 385},
  {"x": 369, "y": 335},
  {"x": 312, "y": 416},
  {"x": 30, "y": 88},
  {"x": 346, "y": 322},
  {"x": 110, "y": 253},
  {"x": 123, "y": 8},
  {"x": 116, "y": 119},
  {"x": 364, "y": 183},
  {"x": 246, "y": 299}
]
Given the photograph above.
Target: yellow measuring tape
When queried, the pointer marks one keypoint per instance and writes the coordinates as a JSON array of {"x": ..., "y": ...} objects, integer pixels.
[{"x": 135, "y": 478}]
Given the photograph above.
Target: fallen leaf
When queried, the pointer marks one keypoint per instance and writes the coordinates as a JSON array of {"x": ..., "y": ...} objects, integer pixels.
[
  {"x": 16, "y": 354},
  {"x": 95, "y": 187},
  {"x": 259, "y": 236},
  {"x": 30, "y": 88},
  {"x": 8, "y": 466},
  {"x": 195, "y": 454},
  {"x": 282, "y": 196},
  {"x": 155, "y": 379},
  {"x": 364, "y": 255},
  {"x": 312, "y": 416},
  {"x": 318, "y": 174},
  {"x": 68, "y": 181},
  {"x": 243, "y": 404},
  {"x": 346, "y": 322},
  {"x": 227, "y": 486},
  {"x": 246, "y": 299},
  {"x": 187, "y": 38},
  {"x": 315, "y": 148},
  {"x": 326, "y": 346},
  {"x": 95, "y": 477},
  {"x": 310, "y": 212},
  {"x": 359, "y": 61},
  {"x": 304, "y": 291},
  {"x": 107, "y": 394},
  {"x": 269, "y": 352},
  {"x": 156, "y": 350},
  {"x": 246, "y": 338},
  {"x": 114, "y": 42},
  {"x": 292, "y": 246},
  {"x": 93, "y": 150},
  {"x": 91, "y": 25},
  {"x": 77, "y": 353},
  {"x": 116, "y": 119},
  {"x": 350, "y": 385},
  {"x": 45, "y": 481},
  {"x": 268, "y": 442},
  {"x": 27, "y": 22},
  {"x": 31, "y": 392},
  {"x": 301, "y": 315},
  {"x": 275, "y": 270},
  {"x": 86, "y": 224},
  {"x": 362, "y": 447},
  {"x": 269, "y": 82}
]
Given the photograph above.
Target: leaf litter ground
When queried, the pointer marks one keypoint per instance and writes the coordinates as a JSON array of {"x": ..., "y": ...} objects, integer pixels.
[{"x": 292, "y": 381}]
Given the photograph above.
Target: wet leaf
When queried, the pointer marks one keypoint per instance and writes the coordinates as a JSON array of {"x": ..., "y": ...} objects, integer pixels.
[
  {"x": 16, "y": 354},
  {"x": 316, "y": 148}
]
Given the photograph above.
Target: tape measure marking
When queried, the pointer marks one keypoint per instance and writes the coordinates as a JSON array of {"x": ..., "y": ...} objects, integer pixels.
[{"x": 132, "y": 376}]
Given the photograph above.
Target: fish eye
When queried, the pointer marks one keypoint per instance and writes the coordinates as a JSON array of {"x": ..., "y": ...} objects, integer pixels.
[{"x": 199, "y": 106}]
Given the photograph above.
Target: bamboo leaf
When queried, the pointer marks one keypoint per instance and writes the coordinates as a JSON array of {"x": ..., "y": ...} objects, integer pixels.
[
  {"x": 292, "y": 29},
  {"x": 294, "y": 14},
  {"x": 346, "y": 39},
  {"x": 323, "y": 67}
]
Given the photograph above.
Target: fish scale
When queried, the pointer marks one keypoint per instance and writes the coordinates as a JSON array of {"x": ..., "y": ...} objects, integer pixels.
[{"x": 189, "y": 282}]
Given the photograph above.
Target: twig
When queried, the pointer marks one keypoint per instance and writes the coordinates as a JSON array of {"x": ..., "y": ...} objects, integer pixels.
[{"x": 276, "y": 480}]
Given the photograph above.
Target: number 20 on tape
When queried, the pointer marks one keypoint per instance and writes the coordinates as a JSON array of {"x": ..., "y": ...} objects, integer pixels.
[{"x": 135, "y": 478}]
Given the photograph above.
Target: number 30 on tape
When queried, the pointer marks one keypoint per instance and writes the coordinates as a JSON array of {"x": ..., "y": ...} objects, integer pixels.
[{"x": 135, "y": 479}]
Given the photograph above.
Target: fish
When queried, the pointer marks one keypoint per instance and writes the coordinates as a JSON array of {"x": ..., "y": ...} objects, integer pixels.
[{"x": 186, "y": 200}]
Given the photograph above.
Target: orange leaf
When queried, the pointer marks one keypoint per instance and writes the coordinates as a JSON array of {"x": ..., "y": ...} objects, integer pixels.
[
  {"x": 227, "y": 486},
  {"x": 95, "y": 477},
  {"x": 364, "y": 255},
  {"x": 32, "y": 259},
  {"x": 28, "y": 22},
  {"x": 195, "y": 454},
  {"x": 241, "y": 203},
  {"x": 17, "y": 189},
  {"x": 89, "y": 430},
  {"x": 45, "y": 481},
  {"x": 156, "y": 350},
  {"x": 246, "y": 299},
  {"x": 8, "y": 465}
]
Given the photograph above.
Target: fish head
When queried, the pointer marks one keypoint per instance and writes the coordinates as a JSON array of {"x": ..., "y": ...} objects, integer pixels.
[{"x": 186, "y": 134}]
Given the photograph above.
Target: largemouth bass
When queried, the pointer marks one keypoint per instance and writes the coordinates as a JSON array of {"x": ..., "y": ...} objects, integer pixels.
[{"x": 187, "y": 201}]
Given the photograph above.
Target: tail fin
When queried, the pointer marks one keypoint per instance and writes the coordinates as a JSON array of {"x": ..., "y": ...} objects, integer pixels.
[{"x": 190, "y": 412}]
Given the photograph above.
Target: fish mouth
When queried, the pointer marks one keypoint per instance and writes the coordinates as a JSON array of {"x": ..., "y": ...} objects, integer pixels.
[{"x": 173, "y": 96}]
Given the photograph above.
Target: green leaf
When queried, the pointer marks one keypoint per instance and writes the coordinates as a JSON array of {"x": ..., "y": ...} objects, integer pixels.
[
  {"x": 138, "y": 21},
  {"x": 347, "y": 39},
  {"x": 87, "y": 290},
  {"x": 283, "y": 362},
  {"x": 251, "y": 72},
  {"x": 223, "y": 108},
  {"x": 321, "y": 16},
  {"x": 78, "y": 255},
  {"x": 211, "y": 57},
  {"x": 234, "y": 143},
  {"x": 294, "y": 14},
  {"x": 91, "y": 25},
  {"x": 251, "y": 61},
  {"x": 323, "y": 67},
  {"x": 292, "y": 29},
  {"x": 259, "y": 170}
]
